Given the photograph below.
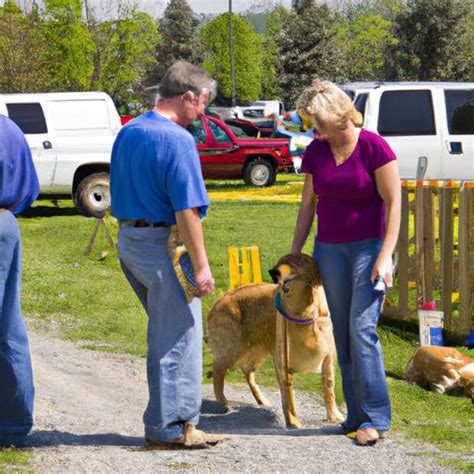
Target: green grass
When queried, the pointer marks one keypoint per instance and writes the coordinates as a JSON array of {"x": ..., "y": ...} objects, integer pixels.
[
  {"x": 14, "y": 460},
  {"x": 88, "y": 301}
]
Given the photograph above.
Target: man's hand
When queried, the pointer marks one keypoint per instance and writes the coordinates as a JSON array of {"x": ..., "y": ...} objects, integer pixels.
[
  {"x": 204, "y": 281},
  {"x": 190, "y": 230}
]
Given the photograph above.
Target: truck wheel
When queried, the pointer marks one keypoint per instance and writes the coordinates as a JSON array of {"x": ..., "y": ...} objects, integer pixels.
[
  {"x": 259, "y": 173},
  {"x": 92, "y": 196}
]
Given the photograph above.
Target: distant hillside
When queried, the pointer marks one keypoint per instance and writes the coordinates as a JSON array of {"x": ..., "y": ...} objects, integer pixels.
[{"x": 258, "y": 20}]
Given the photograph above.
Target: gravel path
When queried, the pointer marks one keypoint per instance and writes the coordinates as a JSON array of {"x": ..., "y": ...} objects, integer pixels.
[{"x": 88, "y": 419}]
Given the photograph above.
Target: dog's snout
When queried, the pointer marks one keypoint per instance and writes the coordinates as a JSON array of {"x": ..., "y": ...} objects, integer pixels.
[{"x": 275, "y": 274}]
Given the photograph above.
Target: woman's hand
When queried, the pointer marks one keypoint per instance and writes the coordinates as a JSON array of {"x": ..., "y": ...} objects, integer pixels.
[{"x": 383, "y": 267}]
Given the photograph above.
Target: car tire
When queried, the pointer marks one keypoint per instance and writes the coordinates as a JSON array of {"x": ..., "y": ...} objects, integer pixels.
[
  {"x": 259, "y": 173},
  {"x": 92, "y": 196}
]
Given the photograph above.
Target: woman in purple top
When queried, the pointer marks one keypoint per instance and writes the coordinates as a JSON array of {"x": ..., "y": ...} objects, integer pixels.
[{"x": 353, "y": 185}]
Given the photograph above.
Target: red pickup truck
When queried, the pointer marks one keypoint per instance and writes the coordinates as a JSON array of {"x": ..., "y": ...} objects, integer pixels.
[{"x": 225, "y": 156}]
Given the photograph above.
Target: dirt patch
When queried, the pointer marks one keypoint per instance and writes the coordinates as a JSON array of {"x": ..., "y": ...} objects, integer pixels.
[{"x": 88, "y": 419}]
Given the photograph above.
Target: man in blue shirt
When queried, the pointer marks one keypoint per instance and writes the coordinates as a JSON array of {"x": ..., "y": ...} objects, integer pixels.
[
  {"x": 156, "y": 182},
  {"x": 19, "y": 187}
]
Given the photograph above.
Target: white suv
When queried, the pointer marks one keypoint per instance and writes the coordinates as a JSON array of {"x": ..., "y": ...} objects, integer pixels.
[{"x": 432, "y": 119}]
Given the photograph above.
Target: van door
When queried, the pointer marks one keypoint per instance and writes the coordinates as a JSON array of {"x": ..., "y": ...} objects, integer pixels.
[
  {"x": 458, "y": 149},
  {"x": 85, "y": 133},
  {"x": 406, "y": 120},
  {"x": 29, "y": 116}
]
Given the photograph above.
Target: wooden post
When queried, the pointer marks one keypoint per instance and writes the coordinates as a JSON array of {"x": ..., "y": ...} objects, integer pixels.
[
  {"x": 466, "y": 259},
  {"x": 92, "y": 240},
  {"x": 428, "y": 244},
  {"x": 402, "y": 250},
  {"x": 419, "y": 243},
  {"x": 447, "y": 248}
]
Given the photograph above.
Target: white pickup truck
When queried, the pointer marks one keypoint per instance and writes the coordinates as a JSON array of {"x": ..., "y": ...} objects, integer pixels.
[
  {"x": 432, "y": 119},
  {"x": 259, "y": 109},
  {"x": 71, "y": 136}
]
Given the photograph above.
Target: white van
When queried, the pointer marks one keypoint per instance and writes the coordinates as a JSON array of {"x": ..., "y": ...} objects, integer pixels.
[
  {"x": 432, "y": 119},
  {"x": 71, "y": 136}
]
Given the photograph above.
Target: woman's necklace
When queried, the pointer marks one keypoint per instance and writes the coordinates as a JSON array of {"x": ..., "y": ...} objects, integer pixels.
[{"x": 342, "y": 152}]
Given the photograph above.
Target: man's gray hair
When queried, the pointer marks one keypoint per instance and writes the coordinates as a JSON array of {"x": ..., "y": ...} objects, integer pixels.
[{"x": 182, "y": 77}]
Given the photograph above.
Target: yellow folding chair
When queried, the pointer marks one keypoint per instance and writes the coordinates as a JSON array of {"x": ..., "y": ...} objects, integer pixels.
[{"x": 244, "y": 266}]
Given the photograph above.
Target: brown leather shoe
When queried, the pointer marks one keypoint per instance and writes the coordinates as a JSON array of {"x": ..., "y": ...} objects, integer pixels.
[
  {"x": 367, "y": 436},
  {"x": 192, "y": 438}
]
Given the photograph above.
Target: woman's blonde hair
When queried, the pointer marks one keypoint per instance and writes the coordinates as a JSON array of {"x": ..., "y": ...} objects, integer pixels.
[{"x": 324, "y": 102}]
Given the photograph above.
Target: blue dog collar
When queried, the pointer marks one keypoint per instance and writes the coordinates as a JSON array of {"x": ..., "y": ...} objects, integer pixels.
[{"x": 277, "y": 302}]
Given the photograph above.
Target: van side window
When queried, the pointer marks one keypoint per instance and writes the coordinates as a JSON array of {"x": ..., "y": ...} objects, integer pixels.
[
  {"x": 406, "y": 113},
  {"x": 360, "y": 102},
  {"x": 28, "y": 116},
  {"x": 460, "y": 111}
]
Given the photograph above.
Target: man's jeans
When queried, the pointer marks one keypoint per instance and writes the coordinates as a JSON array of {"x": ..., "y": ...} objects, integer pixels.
[
  {"x": 174, "y": 360},
  {"x": 16, "y": 376},
  {"x": 355, "y": 310}
]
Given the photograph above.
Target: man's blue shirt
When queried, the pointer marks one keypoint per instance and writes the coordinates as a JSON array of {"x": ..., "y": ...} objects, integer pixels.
[{"x": 155, "y": 171}]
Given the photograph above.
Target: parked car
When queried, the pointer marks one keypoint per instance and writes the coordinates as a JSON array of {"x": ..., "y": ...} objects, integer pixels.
[
  {"x": 224, "y": 156},
  {"x": 252, "y": 128},
  {"x": 432, "y": 119},
  {"x": 71, "y": 136}
]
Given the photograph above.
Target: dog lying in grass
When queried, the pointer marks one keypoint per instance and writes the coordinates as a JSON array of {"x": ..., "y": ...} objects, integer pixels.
[
  {"x": 242, "y": 332},
  {"x": 442, "y": 369}
]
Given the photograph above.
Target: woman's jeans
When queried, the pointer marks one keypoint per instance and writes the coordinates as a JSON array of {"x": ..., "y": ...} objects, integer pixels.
[
  {"x": 174, "y": 359},
  {"x": 355, "y": 310},
  {"x": 16, "y": 377}
]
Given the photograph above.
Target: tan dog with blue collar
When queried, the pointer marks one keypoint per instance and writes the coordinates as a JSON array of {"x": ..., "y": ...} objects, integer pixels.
[{"x": 288, "y": 320}]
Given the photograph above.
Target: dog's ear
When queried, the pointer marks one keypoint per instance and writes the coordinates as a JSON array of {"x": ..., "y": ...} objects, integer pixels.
[
  {"x": 279, "y": 272},
  {"x": 322, "y": 304},
  {"x": 275, "y": 274}
]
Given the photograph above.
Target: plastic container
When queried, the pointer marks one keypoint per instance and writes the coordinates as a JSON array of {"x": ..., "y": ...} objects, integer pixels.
[{"x": 431, "y": 327}]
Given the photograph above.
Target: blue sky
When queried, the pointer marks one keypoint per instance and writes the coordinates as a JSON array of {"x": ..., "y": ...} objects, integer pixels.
[{"x": 156, "y": 7}]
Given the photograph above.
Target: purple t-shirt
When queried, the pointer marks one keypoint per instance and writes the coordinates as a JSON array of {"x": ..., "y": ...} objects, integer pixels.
[{"x": 349, "y": 207}]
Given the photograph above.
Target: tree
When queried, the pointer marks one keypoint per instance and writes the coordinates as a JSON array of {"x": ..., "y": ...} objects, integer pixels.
[
  {"x": 432, "y": 41},
  {"x": 70, "y": 45},
  {"x": 124, "y": 56},
  {"x": 365, "y": 39},
  {"x": 179, "y": 39},
  {"x": 22, "y": 48},
  {"x": 307, "y": 49},
  {"x": 247, "y": 54},
  {"x": 270, "y": 85}
]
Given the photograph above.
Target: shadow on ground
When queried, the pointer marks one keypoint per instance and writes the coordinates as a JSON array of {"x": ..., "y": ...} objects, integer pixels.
[
  {"x": 243, "y": 419},
  {"x": 49, "y": 211},
  {"x": 44, "y": 438},
  {"x": 246, "y": 419}
]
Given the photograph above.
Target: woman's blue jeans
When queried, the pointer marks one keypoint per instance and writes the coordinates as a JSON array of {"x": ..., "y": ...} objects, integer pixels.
[
  {"x": 16, "y": 377},
  {"x": 355, "y": 309},
  {"x": 174, "y": 358}
]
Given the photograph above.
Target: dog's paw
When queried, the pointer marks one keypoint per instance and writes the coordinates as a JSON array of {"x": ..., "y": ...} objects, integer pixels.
[
  {"x": 335, "y": 417},
  {"x": 294, "y": 424}
]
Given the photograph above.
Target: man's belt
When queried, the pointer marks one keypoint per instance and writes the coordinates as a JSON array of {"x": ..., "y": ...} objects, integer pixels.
[{"x": 143, "y": 223}]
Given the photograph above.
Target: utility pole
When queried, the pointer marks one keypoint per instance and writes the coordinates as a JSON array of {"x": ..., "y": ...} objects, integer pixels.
[{"x": 232, "y": 64}]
